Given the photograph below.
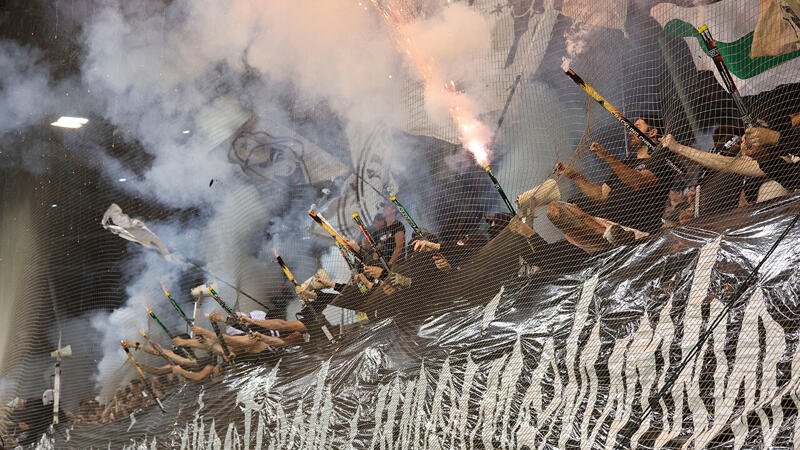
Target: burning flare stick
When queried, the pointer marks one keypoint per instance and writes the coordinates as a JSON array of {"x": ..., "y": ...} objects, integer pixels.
[
  {"x": 141, "y": 374},
  {"x": 176, "y": 306},
  {"x": 724, "y": 73},
  {"x": 500, "y": 191},
  {"x": 166, "y": 330},
  {"x": 232, "y": 318},
  {"x": 655, "y": 149},
  {"x": 222, "y": 343},
  {"x": 371, "y": 240},
  {"x": 291, "y": 278}
]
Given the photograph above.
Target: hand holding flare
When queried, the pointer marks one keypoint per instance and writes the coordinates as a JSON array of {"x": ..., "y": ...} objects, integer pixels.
[
  {"x": 141, "y": 374},
  {"x": 171, "y": 336},
  {"x": 299, "y": 289},
  {"x": 176, "y": 306}
]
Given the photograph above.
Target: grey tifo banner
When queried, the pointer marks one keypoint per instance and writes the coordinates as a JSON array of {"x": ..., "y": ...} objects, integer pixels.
[{"x": 569, "y": 362}]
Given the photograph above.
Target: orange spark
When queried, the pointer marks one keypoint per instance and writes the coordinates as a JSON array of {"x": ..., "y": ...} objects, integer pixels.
[{"x": 474, "y": 135}]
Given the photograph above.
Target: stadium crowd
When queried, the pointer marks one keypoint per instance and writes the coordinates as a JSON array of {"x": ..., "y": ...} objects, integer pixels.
[{"x": 643, "y": 194}]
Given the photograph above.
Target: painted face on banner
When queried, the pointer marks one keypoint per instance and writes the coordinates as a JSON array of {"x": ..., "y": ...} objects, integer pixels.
[{"x": 268, "y": 157}]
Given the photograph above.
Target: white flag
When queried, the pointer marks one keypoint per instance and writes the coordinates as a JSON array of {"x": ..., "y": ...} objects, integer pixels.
[
  {"x": 732, "y": 24},
  {"x": 134, "y": 230}
]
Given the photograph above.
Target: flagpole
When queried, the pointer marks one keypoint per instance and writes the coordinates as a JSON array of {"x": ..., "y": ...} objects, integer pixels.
[{"x": 226, "y": 283}]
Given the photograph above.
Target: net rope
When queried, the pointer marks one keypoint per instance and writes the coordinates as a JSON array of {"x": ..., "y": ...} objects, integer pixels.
[{"x": 594, "y": 314}]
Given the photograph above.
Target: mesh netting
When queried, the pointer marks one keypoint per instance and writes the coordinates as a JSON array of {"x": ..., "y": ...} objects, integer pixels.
[{"x": 575, "y": 234}]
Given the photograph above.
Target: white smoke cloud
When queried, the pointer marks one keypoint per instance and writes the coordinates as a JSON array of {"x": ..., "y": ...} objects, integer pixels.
[
  {"x": 153, "y": 68},
  {"x": 453, "y": 39},
  {"x": 575, "y": 39},
  {"x": 159, "y": 66},
  {"x": 25, "y": 90}
]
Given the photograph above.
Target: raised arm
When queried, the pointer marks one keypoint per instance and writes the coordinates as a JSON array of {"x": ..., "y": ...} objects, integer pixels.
[
  {"x": 196, "y": 376},
  {"x": 195, "y": 342},
  {"x": 631, "y": 177},
  {"x": 178, "y": 359},
  {"x": 163, "y": 370},
  {"x": 738, "y": 165},
  {"x": 399, "y": 243},
  {"x": 595, "y": 192}
]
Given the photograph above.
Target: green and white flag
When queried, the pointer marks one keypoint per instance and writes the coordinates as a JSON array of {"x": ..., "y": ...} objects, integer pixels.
[{"x": 732, "y": 23}]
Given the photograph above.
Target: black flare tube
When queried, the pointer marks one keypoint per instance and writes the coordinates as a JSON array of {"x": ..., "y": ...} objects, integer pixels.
[
  {"x": 656, "y": 150},
  {"x": 500, "y": 191},
  {"x": 725, "y": 74},
  {"x": 232, "y": 318},
  {"x": 222, "y": 343},
  {"x": 371, "y": 239},
  {"x": 177, "y": 307},
  {"x": 291, "y": 278},
  {"x": 611, "y": 109}
]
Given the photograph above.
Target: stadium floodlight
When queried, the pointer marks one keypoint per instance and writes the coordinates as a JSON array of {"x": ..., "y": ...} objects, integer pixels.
[{"x": 70, "y": 122}]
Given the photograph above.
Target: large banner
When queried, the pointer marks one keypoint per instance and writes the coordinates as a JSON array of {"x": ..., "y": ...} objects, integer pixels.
[{"x": 571, "y": 362}]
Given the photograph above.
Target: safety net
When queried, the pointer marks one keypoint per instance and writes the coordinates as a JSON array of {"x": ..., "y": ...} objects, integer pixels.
[{"x": 399, "y": 224}]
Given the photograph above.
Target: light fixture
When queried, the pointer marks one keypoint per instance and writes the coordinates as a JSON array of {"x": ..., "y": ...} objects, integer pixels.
[
  {"x": 122, "y": 180},
  {"x": 187, "y": 131},
  {"x": 53, "y": 205},
  {"x": 70, "y": 122}
]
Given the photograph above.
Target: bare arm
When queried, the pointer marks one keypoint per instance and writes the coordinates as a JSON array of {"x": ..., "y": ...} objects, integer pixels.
[
  {"x": 738, "y": 165},
  {"x": 597, "y": 193},
  {"x": 279, "y": 324},
  {"x": 193, "y": 343},
  {"x": 196, "y": 376},
  {"x": 360, "y": 277},
  {"x": 594, "y": 192},
  {"x": 178, "y": 359},
  {"x": 631, "y": 177},
  {"x": 163, "y": 370},
  {"x": 399, "y": 243}
]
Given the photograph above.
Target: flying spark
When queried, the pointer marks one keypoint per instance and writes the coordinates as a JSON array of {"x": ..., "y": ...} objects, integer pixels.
[{"x": 473, "y": 134}]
